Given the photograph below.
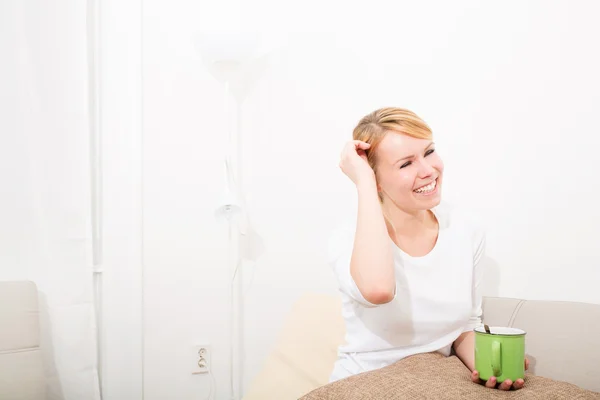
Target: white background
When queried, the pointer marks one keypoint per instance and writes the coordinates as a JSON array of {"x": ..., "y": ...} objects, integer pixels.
[{"x": 511, "y": 91}]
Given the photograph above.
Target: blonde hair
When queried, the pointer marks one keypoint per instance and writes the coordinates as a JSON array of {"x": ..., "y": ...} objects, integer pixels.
[{"x": 373, "y": 127}]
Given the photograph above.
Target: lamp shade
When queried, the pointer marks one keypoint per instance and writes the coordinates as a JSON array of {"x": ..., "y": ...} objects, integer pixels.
[
  {"x": 228, "y": 207},
  {"x": 224, "y": 52}
]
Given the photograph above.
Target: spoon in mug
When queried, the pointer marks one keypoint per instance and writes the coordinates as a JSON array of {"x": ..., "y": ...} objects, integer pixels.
[{"x": 487, "y": 328}]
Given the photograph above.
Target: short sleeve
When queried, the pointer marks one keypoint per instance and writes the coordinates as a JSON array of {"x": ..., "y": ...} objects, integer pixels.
[
  {"x": 341, "y": 244},
  {"x": 479, "y": 242}
]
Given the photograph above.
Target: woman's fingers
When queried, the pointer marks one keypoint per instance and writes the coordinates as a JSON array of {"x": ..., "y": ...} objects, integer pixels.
[
  {"x": 526, "y": 364},
  {"x": 506, "y": 385},
  {"x": 353, "y": 147},
  {"x": 491, "y": 383},
  {"x": 519, "y": 383},
  {"x": 359, "y": 144}
]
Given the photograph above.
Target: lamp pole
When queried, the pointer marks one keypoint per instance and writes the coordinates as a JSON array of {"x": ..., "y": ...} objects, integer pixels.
[{"x": 225, "y": 55}]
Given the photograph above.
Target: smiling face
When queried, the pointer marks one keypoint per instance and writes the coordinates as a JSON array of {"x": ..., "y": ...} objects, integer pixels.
[
  {"x": 409, "y": 172},
  {"x": 402, "y": 154}
]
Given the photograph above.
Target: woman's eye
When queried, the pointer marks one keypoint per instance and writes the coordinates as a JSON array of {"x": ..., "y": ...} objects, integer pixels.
[
  {"x": 428, "y": 152},
  {"x": 406, "y": 164}
]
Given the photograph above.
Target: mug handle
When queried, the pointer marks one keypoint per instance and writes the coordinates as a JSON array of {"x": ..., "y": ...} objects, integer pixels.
[{"x": 496, "y": 358}]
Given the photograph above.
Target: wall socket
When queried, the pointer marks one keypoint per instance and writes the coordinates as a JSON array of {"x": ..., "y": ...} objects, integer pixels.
[{"x": 201, "y": 359}]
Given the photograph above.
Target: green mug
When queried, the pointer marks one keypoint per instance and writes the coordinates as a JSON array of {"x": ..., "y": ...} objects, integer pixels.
[{"x": 500, "y": 353}]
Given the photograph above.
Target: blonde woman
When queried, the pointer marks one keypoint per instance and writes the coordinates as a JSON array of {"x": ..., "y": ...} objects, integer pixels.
[{"x": 409, "y": 267}]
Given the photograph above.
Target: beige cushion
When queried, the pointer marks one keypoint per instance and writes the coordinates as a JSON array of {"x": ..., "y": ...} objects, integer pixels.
[
  {"x": 433, "y": 376},
  {"x": 21, "y": 367},
  {"x": 305, "y": 351}
]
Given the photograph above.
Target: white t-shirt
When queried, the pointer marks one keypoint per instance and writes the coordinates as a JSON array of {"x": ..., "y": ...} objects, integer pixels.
[{"x": 437, "y": 297}]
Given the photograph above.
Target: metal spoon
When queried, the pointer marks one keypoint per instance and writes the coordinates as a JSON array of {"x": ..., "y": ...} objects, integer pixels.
[{"x": 487, "y": 328}]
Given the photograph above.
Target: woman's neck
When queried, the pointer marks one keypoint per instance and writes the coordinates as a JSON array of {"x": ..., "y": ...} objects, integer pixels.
[{"x": 409, "y": 223}]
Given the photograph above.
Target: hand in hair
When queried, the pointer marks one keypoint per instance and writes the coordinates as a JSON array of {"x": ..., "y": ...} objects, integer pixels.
[{"x": 353, "y": 162}]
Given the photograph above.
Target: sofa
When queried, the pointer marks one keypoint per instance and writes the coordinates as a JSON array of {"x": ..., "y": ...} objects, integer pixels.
[
  {"x": 561, "y": 343},
  {"x": 21, "y": 363}
]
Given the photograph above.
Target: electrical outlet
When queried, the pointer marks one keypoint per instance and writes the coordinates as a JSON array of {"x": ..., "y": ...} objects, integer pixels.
[{"x": 201, "y": 359}]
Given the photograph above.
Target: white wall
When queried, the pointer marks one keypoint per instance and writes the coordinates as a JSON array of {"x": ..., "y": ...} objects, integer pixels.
[
  {"x": 120, "y": 114},
  {"x": 511, "y": 92}
]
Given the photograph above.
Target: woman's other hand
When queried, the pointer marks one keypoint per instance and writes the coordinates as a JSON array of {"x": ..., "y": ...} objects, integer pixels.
[
  {"x": 354, "y": 163},
  {"x": 506, "y": 385}
]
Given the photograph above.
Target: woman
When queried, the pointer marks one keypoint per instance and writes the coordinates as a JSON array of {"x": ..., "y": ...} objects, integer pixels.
[{"x": 409, "y": 269}]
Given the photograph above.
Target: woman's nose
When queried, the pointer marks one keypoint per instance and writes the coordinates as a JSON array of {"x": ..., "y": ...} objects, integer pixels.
[{"x": 425, "y": 169}]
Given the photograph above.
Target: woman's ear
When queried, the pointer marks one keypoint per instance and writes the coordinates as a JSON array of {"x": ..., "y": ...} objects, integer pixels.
[{"x": 379, "y": 190}]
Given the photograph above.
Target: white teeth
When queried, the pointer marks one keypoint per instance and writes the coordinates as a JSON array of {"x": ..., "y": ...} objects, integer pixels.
[{"x": 428, "y": 188}]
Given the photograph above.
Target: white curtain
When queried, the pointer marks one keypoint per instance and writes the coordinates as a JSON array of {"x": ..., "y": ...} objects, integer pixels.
[{"x": 45, "y": 183}]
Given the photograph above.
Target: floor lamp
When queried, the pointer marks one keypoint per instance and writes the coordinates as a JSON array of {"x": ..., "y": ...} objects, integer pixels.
[{"x": 231, "y": 58}]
